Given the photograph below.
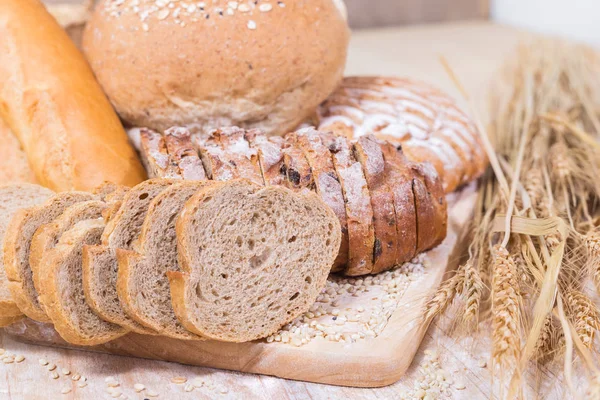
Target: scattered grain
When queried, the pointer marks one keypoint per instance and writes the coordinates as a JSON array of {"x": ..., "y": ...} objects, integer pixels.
[
  {"x": 54, "y": 375},
  {"x": 138, "y": 387},
  {"x": 65, "y": 390},
  {"x": 43, "y": 362},
  {"x": 179, "y": 380}
]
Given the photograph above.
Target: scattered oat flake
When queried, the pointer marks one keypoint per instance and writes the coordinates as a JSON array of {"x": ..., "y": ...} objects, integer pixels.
[
  {"x": 43, "y": 362},
  {"x": 81, "y": 384},
  {"x": 151, "y": 393},
  {"x": 138, "y": 387},
  {"x": 66, "y": 390},
  {"x": 66, "y": 371},
  {"x": 51, "y": 367},
  {"x": 188, "y": 388},
  {"x": 19, "y": 358},
  {"x": 54, "y": 375},
  {"x": 179, "y": 380},
  {"x": 223, "y": 390},
  {"x": 75, "y": 377},
  {"x": 251, "y": 25}
]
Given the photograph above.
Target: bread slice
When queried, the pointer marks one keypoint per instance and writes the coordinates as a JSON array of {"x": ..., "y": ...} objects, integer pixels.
[
  {"x": 17, "y": 244},
  {"x": 142, "y": 282},
  {"x": 369, "y": 154},
  {"x": 400, "y": 179},
  {"x": 47, "y": 236},
  {"x": 270, "y": 156},
  {"x": 62, "y": 289},
  {"x": 108, "y": 190},
  {"x": 155, "y": 156},
  {"x": 13, "y": 198},
  {"x": 252, "y": 259},
  {"x": 297, "y": 169},
  {"x": 432, "y": 213},
  {"x": 100, "y": 262},
  {"x": 361, "y": 235},
  {"x": 183, "y": 154},
  {"x": 214, "y": 159},
  {"x": 237, "y": 152},
  {"x": 327, "y": 184}
]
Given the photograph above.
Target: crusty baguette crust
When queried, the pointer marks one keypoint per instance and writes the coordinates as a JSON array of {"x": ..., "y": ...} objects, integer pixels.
[
  {"x": 54, "y": 105},
  {"x": 369, "y": 154}
]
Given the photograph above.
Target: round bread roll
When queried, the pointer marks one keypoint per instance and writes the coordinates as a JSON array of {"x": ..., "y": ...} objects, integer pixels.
[{"x": 207, "y": 64}]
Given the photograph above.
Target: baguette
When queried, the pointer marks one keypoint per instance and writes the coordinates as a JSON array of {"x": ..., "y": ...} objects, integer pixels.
[{"x": 71, "y": 135}]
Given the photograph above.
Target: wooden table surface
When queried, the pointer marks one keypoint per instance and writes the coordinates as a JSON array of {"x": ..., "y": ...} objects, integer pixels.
[{"x": 475, "y": 50}]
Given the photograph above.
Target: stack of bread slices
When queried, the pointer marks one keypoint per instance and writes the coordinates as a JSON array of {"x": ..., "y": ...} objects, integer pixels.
[
  {"x": 198, "y": 259},
  {"x": 389, "y": 208}
]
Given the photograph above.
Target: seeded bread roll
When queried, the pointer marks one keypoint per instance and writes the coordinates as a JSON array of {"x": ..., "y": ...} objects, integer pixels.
[
  {"x": 13, "y": 198},
  {"x": 252, "y": 259},
  {"x": 100, "y": 262},
  {"x": 142, "y": 283},
  {"x": 427, "y": 122},
  {"x": 276, "y": 61},
  {"x": 17, "y": 246},
  {"x": 62, "y": 289}
]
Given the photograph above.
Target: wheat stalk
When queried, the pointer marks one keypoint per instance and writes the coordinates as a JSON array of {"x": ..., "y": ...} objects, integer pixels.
[
  {"x": 584, "y": 316},
  {"x": 505, "y": 308},
  {"x": 592, "y": 244},
  {"x": 445, "y": 294},
  {"x": 472, "y": 292}
]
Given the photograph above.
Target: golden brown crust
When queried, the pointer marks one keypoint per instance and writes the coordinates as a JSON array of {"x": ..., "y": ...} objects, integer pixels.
[
  {"x": 14, "y": 167},
  {"x": 369, "y": 154},
  {"x": 155, "y": 156},
  {"x": 427, "y": 123},
  {"x": 270, "y": 156},
  {"x": 270, "y": 77},
  {"x": 52, "y": 102},
  {"x": 238, "y": 153},
  {"x": 400, "y": 177},
  {"x": 183, "y": 155},
  {"x": 432, "y": 213},
  {"x": 297, "y": 169},
  {"x": 6, "y": 321}
]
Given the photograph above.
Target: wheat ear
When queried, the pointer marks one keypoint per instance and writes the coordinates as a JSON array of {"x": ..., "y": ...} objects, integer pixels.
[
  {"x": 444, "y": 295},
  {"x": 505, "y": 308},
  {"x": 592, "y": 244},
  {"x": 472, "y": 292},
  {"x": 584, "y": 316}
]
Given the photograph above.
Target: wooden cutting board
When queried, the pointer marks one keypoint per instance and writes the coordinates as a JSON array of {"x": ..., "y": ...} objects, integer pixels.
[{"x": 378, "y": 359}]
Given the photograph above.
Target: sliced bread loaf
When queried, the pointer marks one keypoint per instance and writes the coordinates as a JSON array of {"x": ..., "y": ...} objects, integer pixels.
[
  {"x": 361, "y": 235},
  {"x": 400, "y": 178},
  {"x": 100, "y": 262},
  {"x": 61, "y": 291},
  {"x": 252, "y": 259},
  {"x": 183, "y": 154},
  {"x": 270, "y": 156},
  {"x": 17, "y": 245},
  {"x": 142, "y": 282},
  {"x": 370, "y": 156},
  {"x": 297, "y": 169},
  {"x": 47, "y": 236},
  {"x": 13, "y": 198},
  {"x": 237, "y": 152},
  {"x": 327, "y": 184},
  {"x": 214, "y": 159},
  {"x": 155, "y": 156}
]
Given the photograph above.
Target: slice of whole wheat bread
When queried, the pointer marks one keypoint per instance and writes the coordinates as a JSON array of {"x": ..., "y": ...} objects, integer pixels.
[
  {"x": 237, "y": 152},
  {"x": 183, "y": 154},
  {"x": 252, "y": 259},
  {"x": 17, "y": 242},
  {"x": 270, "y": 156},
  {"x": 100, "y": 262},
  {"x": 142, "y": 282},
  {"x": 61, "y": 291},
  {"x": 47, "y": 236},
  {"x": 13, "y": 198},
  {"x": 297, "y": 169},
  {"x": 369, "y": 154},
  {"x": 327, "y": 183}
]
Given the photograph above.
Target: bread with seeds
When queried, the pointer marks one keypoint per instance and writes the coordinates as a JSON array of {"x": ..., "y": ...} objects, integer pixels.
[
  {"x": 62, "y": 293},
  {"x": 13, "y": 198},
  {"x": 17, "y": 247},
  {"x": 142, "y": 283},
  {"x": 100, "y": 262},
  {"x": 252, "y": 259}
]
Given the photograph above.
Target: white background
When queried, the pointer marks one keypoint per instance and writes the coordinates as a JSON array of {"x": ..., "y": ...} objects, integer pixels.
[{"x": 575, "y": 19}]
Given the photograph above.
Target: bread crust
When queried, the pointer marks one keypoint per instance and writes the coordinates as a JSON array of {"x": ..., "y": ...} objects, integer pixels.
[
  {"x": 237, "y": 152},
  {"x": 52, "y": 102},
  {"x": 20, "y": 280},
  {"x": 369, "y": 154},
  {"x": 183, "y": 154},
  {"x": 425, "y": 121},
  {"x": 7, "y": 321},
  {"x": 270, "y": 156},
  {"x": 155, "y": 156},
  {"x": 297, "y": 168}
]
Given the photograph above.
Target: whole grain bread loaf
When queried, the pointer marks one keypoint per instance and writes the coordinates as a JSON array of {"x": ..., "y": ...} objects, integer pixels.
[{"x": 252, "y": 259}]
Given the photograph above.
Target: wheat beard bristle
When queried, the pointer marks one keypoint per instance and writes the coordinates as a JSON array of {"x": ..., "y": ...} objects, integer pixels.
[
  {"x": 472, "y": 291},
  {"x": 584, "y": 316},
  {"x": 592, "y": 243},
  {"x": 505, "y": 308}
]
